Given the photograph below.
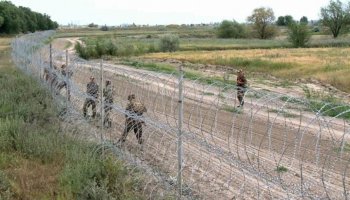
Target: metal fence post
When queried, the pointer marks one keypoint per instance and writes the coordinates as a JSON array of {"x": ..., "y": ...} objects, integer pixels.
[
  {"x": 102, "y": 115},
  {"x": 67, "y": 79},
  {"x": 51, "y": 69},
  {"x": 179, "y": 134},
  {"x": 50, "y": 56},
  {"x": 41, "y": 76}
]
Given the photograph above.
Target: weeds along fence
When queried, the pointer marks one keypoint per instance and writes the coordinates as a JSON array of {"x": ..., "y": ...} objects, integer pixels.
[{"x": 197, "y": 143}]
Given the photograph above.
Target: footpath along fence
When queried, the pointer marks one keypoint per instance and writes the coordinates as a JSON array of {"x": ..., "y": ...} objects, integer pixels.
[{"x": 197, "y": 143}]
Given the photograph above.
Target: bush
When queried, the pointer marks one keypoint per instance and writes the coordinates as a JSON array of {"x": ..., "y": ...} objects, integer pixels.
[
  {"x": 169, "y": 43},
  {"x": 104, "y": 28},
  {"x": 298, "y": 34},
  {"x": 231, "y": 29}
]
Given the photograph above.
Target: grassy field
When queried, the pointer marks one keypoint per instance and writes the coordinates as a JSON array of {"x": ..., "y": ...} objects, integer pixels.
[
  {"x": 328, "y": 65},
  {"x": 38, "y": 160}
]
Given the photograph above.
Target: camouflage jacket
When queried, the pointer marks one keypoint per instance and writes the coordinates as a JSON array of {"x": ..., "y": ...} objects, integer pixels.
[
  {"x": 92, "y": 89},
  {"x": 241, "y": 81},
  {"x": 135, "y": 107},
  {"x": 108, "y": 94}
]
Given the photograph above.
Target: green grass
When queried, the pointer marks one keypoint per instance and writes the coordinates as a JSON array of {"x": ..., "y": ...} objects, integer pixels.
[
  {"x": 170, "y": 69},
  {"x": 157, "y": 67},
  {"x": 326, "y": 104},
  {"x": 231, "y": 109},
  {"x": 345, "y": 149},
  {"x": 291, "y": 100},
  {"x": 208, "y": 94},
  {"x": 256, "y": 65},
  {"x": 332, "y": 109},
  {"x": 281, "y": 169},
  {"x": 283, "y": 113}
]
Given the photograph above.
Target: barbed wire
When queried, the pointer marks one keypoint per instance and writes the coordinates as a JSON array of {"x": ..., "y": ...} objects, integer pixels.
[{"x": 276, "y": 147}]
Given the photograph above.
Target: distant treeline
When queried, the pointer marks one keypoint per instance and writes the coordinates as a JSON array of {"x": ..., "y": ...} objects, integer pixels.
[{"x": 20, "y": 19}]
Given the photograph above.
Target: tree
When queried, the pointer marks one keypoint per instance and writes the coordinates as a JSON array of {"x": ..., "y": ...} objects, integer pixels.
[
  {"x": 92, "y": 25},
  {"x": 298, "y": 34},
  {"x": 288, "y": 19},
  {"x": 304, "y": 20},
  {"x": 281, "y": 21},
  {"x": 335, "y": 16},
  {"x": 15, "y": 19},
  {"x": 231, "y": 29},
  {"x": 262, "y": 19},
  {"x": 104, "y": 28}
]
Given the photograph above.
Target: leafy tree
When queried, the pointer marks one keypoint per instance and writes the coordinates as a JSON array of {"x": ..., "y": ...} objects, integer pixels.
[
  {"x": 15, "y": 19},
  {"x": 262, "y": 19},
  {"x": 298, "y": 34},
  {"x": 169, "y": 43},
  {"x": 231, "y": 29},
  {"x": 92, "y": 25},
  {"x": 281, "y": 21},
  {"x": 104, "y": 28},
  {"x": 30, "y": 19},
  {"x": 288, "y": 20},
  {"x": 335, "y": 16},
  {"x": 304, "y": 20}
]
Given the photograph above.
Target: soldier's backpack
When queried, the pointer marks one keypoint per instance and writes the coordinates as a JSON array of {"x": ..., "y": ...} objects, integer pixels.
[{"x": 139, "y": 108}]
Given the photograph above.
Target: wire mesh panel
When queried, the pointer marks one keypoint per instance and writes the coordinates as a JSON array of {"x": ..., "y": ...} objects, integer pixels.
[{"x": 274, "y": 147}]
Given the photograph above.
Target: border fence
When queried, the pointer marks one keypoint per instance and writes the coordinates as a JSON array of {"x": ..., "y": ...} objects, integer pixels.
[{"x": 196, "y": 143}]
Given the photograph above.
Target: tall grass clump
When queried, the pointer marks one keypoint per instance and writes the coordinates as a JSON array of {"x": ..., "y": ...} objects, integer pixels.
[
  {"x": 326, "y": 104},
  {"x": 169, "y": 43},
  {"x": 93, "y": 48}
]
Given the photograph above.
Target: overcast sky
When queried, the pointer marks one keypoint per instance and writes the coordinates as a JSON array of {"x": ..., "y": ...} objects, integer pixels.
[{"x": 116, "y": 12}]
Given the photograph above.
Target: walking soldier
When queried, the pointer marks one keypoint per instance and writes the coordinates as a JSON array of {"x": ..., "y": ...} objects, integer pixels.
[{"x": 92, "y": 92}]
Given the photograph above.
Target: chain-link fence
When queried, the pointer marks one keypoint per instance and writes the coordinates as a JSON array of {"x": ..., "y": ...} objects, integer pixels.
[{"x": 194, "y": 142}]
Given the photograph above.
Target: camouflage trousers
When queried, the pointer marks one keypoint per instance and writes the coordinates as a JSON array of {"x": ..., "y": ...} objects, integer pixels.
[
  {"x": 133, "y": 124},
  {"x": 89, "y": 102},
  {"x": 107, "y": 121},
  {"x": 240, "y": 95}
]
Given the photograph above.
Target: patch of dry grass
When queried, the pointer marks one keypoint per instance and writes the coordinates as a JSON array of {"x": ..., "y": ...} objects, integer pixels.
[
  {"x": 31, "y": 179},
  {"x": 5, "y": 43},
  {"x": 328, "y": 65}
]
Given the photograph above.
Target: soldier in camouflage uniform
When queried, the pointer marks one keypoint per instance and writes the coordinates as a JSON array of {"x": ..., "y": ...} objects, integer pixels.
[
  {"x": 108, "y": 101},
  {"x": 92, "y": 92},
  {"x": 241, "y": 87},
  {"x": 134, "y": 111},
  {"x": 63, "y": 83}
]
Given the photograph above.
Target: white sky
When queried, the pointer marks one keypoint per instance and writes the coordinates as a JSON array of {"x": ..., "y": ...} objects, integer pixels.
[{"x": 116, "y": 12}]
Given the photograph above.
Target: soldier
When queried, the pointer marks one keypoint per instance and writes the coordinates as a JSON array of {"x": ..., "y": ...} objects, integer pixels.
[
  {"x": 63, "y": 83},
  {"x": 134, "y": 111},
  {"x": 53, "y": 77},
  {"x": 108, "y": 101},
  {"x": 92, "y": 92},
  {"x": 241, "y": 87}
]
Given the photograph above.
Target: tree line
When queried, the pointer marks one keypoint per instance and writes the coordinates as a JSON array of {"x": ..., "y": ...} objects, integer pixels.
[{"x": 14, "y": 20}]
